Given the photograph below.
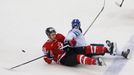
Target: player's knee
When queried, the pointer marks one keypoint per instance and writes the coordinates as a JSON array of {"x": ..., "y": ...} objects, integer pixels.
[{"x": 85, "y": 60}]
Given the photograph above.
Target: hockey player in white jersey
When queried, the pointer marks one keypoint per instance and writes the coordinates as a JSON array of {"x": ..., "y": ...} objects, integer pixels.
[{"x": 76, "y": 33}]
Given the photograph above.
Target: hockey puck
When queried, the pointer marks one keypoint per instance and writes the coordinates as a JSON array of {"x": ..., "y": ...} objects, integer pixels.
[{"x": 23, "y": 51}]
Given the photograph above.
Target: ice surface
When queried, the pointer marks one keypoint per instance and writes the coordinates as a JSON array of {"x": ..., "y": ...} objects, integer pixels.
[{"x": 23, "y": 22}]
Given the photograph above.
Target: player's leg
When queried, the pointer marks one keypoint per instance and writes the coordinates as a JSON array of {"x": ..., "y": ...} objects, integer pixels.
[
  {"x": 69, "y": 59},
  {"x": 91, "y": 50},
  {"x": 82, "y": 59},
  {"x": 101, "y": 49},
  {"x": 112, "y": 49},
  {"x": 72, "y": 59}
]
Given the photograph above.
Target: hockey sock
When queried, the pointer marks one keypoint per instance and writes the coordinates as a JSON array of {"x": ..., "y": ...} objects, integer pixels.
[
  {"x": 95, "y": 50},
  {"x": 85, "y": 60}
]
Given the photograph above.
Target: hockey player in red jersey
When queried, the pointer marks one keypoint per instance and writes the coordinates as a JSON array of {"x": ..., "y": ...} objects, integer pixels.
[
  {"x": 73, "y": 50},
  {"x": 67, "y": 54}
]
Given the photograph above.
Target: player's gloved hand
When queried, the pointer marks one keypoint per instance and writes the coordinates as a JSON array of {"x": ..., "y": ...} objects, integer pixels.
[
  {"x": 47, "y": 60},
  {"x": 67, "y": 46}
]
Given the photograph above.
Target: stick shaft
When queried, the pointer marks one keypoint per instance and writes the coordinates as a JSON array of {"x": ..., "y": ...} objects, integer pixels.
[
  {"x": 95, "y": 18},
  {"x": 26, "y": 62}
]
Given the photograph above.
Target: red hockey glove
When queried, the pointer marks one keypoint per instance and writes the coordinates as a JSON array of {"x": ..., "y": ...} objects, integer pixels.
[
  {"x": 68, "y": 44},
  {"x": 72, "y": 42},
  {"x": 47, "y": 60}
]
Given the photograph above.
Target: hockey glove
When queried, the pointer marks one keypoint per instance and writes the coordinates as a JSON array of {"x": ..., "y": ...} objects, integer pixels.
[
  {"x": 47, "y": 60},
  {"x": 67, "y": 46}
]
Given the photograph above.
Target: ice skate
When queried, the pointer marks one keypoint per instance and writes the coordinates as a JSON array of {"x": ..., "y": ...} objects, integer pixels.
[
  {"x": 112, "y": 47},
  {"x": 126, "y": 54},
  {"x": 100, "y": 61}
]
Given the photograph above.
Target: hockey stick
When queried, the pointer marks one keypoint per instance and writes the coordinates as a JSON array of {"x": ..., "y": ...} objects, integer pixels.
[
  {"x": 32, "y": 60},
  {"x": 95, "y": 18},
  {"x": 25, "y": 63},
  {"x": 62, "y": 47},
  {"x": 119, "y": 4}
]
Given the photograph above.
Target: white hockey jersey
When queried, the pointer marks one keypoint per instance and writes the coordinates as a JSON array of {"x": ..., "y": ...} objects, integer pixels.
[{"x": 78, "y": 36}]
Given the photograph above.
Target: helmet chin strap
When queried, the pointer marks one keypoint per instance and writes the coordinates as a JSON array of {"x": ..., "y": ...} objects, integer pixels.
[{"x": 76, "y": 27}]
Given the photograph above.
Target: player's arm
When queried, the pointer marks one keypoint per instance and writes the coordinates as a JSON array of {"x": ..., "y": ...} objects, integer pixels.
[
  {"x": 73, "y": 34},
  {"x": 70, "y": 38},
  {"x": 47, "y": 56},
  {"x": 60, "y": 37}
]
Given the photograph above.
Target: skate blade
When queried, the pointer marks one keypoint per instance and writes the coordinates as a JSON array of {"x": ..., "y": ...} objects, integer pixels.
[{"x": 129, "y": 55}]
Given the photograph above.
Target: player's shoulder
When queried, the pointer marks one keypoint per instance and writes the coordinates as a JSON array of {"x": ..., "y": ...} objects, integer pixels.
[
  {"x": 77, "y": 32},
  {"x": 59, "y": 34},
  {"x": 47, "y": 43},
  {"x": 60, "y": 37}
]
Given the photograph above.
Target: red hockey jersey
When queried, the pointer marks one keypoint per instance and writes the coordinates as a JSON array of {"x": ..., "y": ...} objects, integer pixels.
[{"x": 54, "y": 47}]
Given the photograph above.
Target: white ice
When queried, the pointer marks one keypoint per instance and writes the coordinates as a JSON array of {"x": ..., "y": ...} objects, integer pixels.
[{"x": 23, "y": 23}]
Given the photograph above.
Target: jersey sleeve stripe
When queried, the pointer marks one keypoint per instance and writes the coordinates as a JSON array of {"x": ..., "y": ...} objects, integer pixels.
[{"x": 76, "y": 33}]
